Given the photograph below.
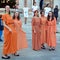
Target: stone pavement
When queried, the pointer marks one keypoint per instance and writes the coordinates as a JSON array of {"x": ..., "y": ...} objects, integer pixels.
[{"x": 29, "y": 54}]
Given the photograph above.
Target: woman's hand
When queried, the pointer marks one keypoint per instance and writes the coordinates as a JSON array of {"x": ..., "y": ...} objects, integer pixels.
[
  {"x": 34, "y": 31},
  {"x": 10, "y": 30},
  {"x": 7, "y": 27}
]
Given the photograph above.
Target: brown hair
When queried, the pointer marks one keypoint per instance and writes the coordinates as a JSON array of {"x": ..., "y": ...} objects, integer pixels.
[
  {"x": 48, "y": 17},
  {"x": 34, "y": 3},
  {"x": 17, "y": 17},
  {"x": 41, "y": 11},
  {"x": 35, "y": 12},
  {"x": 0, "y": 16}
]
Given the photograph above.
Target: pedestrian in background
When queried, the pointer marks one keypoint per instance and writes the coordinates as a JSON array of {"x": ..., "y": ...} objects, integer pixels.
[
  {"x": 47, "y": 9},
  {"x": 56, "y": 10},
  {"x": 26, "y": 13},
  {"x": 34, "y": 8},
  {"x": 41, "y": 4},
  {"x": 1, "y": 27}
]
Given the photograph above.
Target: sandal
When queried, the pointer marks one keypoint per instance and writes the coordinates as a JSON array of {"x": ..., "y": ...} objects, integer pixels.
[
  {"x": 5, "y": 57},
  {"x": 16, "y": 54}
]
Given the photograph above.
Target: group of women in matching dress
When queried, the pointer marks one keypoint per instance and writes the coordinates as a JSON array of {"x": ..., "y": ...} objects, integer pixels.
[{"x": 43, "y": 32}]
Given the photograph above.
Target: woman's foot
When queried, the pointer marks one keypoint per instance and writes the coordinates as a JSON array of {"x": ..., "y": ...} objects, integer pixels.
[
  {"x": 43, "y": 47},
  {"x": 50, "y": 49},
  {"x": 53, "y": 48},
  {"x": 15, "y": 54},
  {"x": 5, "y": 57}
]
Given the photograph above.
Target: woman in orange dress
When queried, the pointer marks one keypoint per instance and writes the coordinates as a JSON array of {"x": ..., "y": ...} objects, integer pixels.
[
  {"x": 43, "y": 22},
  {"x": 10, "y": 35},
  {"x": 36, "y": 44},
  {"x": 21, "y": 35},
  {"x": 51, "y": 31}
]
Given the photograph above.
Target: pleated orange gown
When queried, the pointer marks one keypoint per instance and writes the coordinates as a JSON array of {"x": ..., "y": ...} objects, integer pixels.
[
  {"x": 43, "y": 29},
  {"x": 21, "y": 35},
  {"x": 51, "y": 33},
  {"x": 10, "y": 38},
  {"x": 36, "y": 43}
]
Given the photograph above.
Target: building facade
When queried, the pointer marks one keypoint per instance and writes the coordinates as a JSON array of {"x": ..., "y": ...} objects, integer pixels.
[{"x": 30, "y": 2}]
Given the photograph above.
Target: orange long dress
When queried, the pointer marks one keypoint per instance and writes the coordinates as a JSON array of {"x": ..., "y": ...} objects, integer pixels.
[
  {"x": 51, "y": 33},
  {"x": 10, "y": 38},
  {"x": 43, "y": 29},
  {"x": 36, "y": 44},
  {"x": 21, "y": 35}
]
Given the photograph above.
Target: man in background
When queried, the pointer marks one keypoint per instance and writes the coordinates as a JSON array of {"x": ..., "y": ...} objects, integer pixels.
[{"x": 41, "y": 4}]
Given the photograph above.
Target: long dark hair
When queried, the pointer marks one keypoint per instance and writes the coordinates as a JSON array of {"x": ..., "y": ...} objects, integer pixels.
[
  {"x": 17, "y": 17},
  {"x": 42, "y": 11},
  {"x": 34, "y": 3},
  {"x": 0, "y": 16},
  {"x": 48, "y": 17},
  {"x": 35, "y": 12}
]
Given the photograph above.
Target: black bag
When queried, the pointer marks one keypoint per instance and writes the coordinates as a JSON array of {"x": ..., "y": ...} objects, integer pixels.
[{"x": 1, "y": 25}]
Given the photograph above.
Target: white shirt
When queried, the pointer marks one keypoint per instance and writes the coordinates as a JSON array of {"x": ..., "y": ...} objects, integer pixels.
[
  {"x": 34, "y": 8},
  {"x": 26, "y": 10},
  {"x": 47, "y": 9}
]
